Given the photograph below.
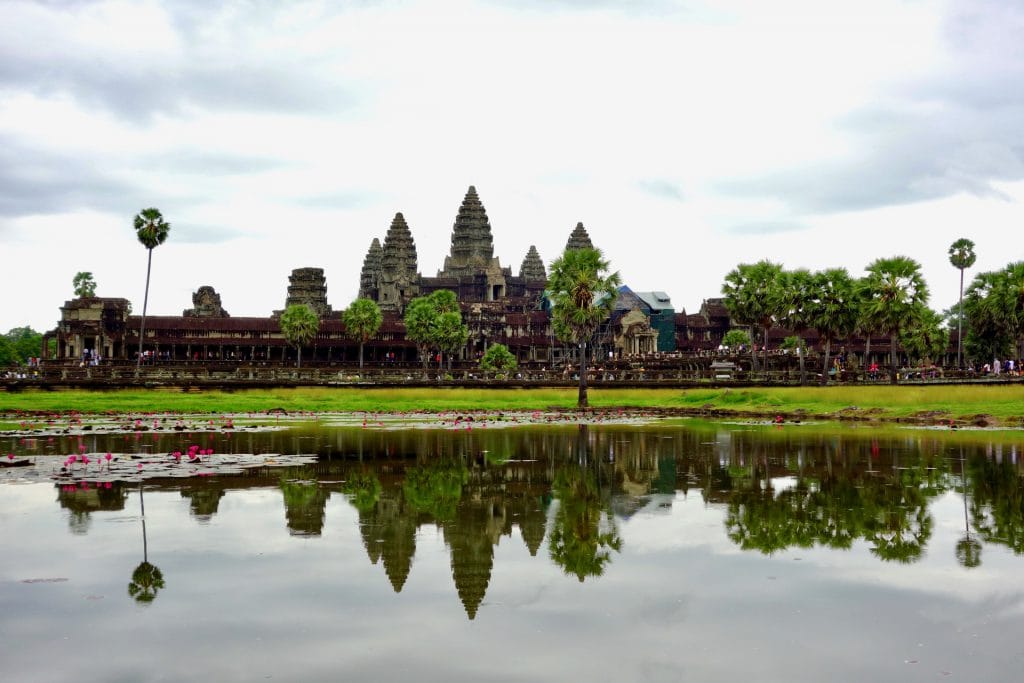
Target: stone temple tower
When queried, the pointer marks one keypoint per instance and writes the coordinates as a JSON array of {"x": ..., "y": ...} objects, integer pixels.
[
  {"x": 399, "y": 280},
  {"x": 579, "y": 239},
  {"x": 472, "y": 253},
  {"x": 472, "y": 243},
  {"x": 369, "y": 278},
  {"x": 533, "y": 267},
  {"x": 308, "y": 286}
]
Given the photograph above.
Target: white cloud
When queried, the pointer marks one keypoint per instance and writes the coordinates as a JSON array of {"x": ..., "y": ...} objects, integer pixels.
[{"x": 687, "y": 138}]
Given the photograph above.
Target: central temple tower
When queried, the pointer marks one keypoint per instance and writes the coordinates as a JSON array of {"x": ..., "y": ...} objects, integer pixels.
[{"x": 472, "y": 254}]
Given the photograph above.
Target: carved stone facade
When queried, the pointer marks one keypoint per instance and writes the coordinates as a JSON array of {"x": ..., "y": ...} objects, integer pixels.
[
  {"x": 94, "y": 324},
  {"x": 206, "y": 304}
]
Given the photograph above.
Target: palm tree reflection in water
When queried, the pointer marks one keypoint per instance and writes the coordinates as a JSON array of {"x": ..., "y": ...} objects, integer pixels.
[
  {"x": 584, "y": 531},
  {"x": 147, "y": 579}
]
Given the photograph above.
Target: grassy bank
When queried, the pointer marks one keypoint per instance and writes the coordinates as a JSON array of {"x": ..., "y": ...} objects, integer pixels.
[{"x": 1003, "y": 403}]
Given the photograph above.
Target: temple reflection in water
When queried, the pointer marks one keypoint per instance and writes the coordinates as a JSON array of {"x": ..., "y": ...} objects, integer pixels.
[{"x": 565, "y": 491}]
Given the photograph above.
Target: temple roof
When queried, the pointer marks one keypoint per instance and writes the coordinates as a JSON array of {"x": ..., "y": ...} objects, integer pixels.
[
  {"x": 656, "y": 301},
  {"x": 579, "y": 239}
]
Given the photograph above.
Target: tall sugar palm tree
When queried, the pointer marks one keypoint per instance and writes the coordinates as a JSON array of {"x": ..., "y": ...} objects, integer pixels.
[
  {"x": 751, "y": 292},
  {"x": 151, "y": 229},
  {"x": 420, "y": 319},
  {"x": 831, "y": 309},
  {"x": 582, "y": 294},
  {"x": 989, "y": 331},
  {"x": 795, "y": 291},
  {"x": 299, "y": 325},
  {"x": 1011, "y": 299},
  {"x": 894, "y": 294},
  {"x": 362, "y": 320},
  {"x": 962, "y": 256}
]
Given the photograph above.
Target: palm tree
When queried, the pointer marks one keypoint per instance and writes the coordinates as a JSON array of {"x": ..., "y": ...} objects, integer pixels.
[
  {"x": 362, "y": 320},
  {"x": 419, "y": 319},
  {"x": 831, "y": 308},
  {"x": 894, "y": 295},
  {"x": 794, "y": 292},
  {"x": 84, "y": 284},
  {"x": 988, "y": 334},
  {"x": 151, "y": 229},
  {"x": 927, "y": 340},
  {"x": 582, "y": 294},
  {"x": 450, "y": 334},
  {"x": 434, "y": 322},
  {"x": 752, "y": 295},
  {"x": 1011, "y": 299},
  {"x": 299, "y": 325},
  {"x": 962, "y": 256}
]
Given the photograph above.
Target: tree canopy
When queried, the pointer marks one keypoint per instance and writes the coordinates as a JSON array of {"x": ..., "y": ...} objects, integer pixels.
[
  {"x": 299, "y": 325},
  {"x": 894, "y": 296},
  {"x": 20, "y": 344},
  {"x": 362, "y": 321},
  {"x": 582, "y": 293},
  {"x": 753, "y": 296},
  {"x": 434, "y": 322},
  {"x": 498, "y": 358},
  {"x": 84, "y": 284}
]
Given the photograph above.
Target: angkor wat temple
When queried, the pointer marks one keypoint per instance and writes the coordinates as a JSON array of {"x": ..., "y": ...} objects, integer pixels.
[{"x": 497, "y": 306}]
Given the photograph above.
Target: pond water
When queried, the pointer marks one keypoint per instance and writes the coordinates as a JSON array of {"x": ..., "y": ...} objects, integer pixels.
[{"x": 654, "y": 552}]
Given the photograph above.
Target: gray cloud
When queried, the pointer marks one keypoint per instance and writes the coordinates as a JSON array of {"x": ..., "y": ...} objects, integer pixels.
[
  {"x": 955, "y": 131},
  {"x": 201, "y": 162},
  {"x": 213, "y": 75},
  {"x": 35, "y": 181},
  {"x": 338, "y": 200},
  {"x": 645, "y": 7},
  {"x": 765, "y": 228},
  {"x": 661, "y": 188},
  {"x": 904, "y": 158},
  {"x": 191, "y": 233}
]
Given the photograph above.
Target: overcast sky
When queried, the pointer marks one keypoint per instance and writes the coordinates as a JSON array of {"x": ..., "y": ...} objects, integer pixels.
[{"x": 687, "y": 136}]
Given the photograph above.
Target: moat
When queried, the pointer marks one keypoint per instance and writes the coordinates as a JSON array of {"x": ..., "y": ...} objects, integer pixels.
[{"x": 358, "y": 548}]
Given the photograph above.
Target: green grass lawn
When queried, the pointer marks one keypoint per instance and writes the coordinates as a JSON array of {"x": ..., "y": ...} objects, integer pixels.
[{"x": 1005, "y": 403}]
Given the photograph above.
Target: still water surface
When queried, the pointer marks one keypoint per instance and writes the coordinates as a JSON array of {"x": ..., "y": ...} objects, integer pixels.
[{"x": 666, "y": 552}]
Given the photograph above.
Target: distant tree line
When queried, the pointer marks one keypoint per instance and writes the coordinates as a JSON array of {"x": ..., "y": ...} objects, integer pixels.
[
  {"x": 890, "y": 300},
  {"x": 20, "y": 344}
]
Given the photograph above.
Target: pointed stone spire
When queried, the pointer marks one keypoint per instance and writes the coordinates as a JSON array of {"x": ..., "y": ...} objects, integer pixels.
[
  {"x": 398, "y": 277},
  {"x": 532, "y": 525},
  {"x": 472, "y": 558},
  {"x": 472, "y": 242},
  {"x": 369, "y": 278},
  {"x": 579, "y": 239},
  {"x": 533, "y": 267},
  {"x": 399, "y": 254}
]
